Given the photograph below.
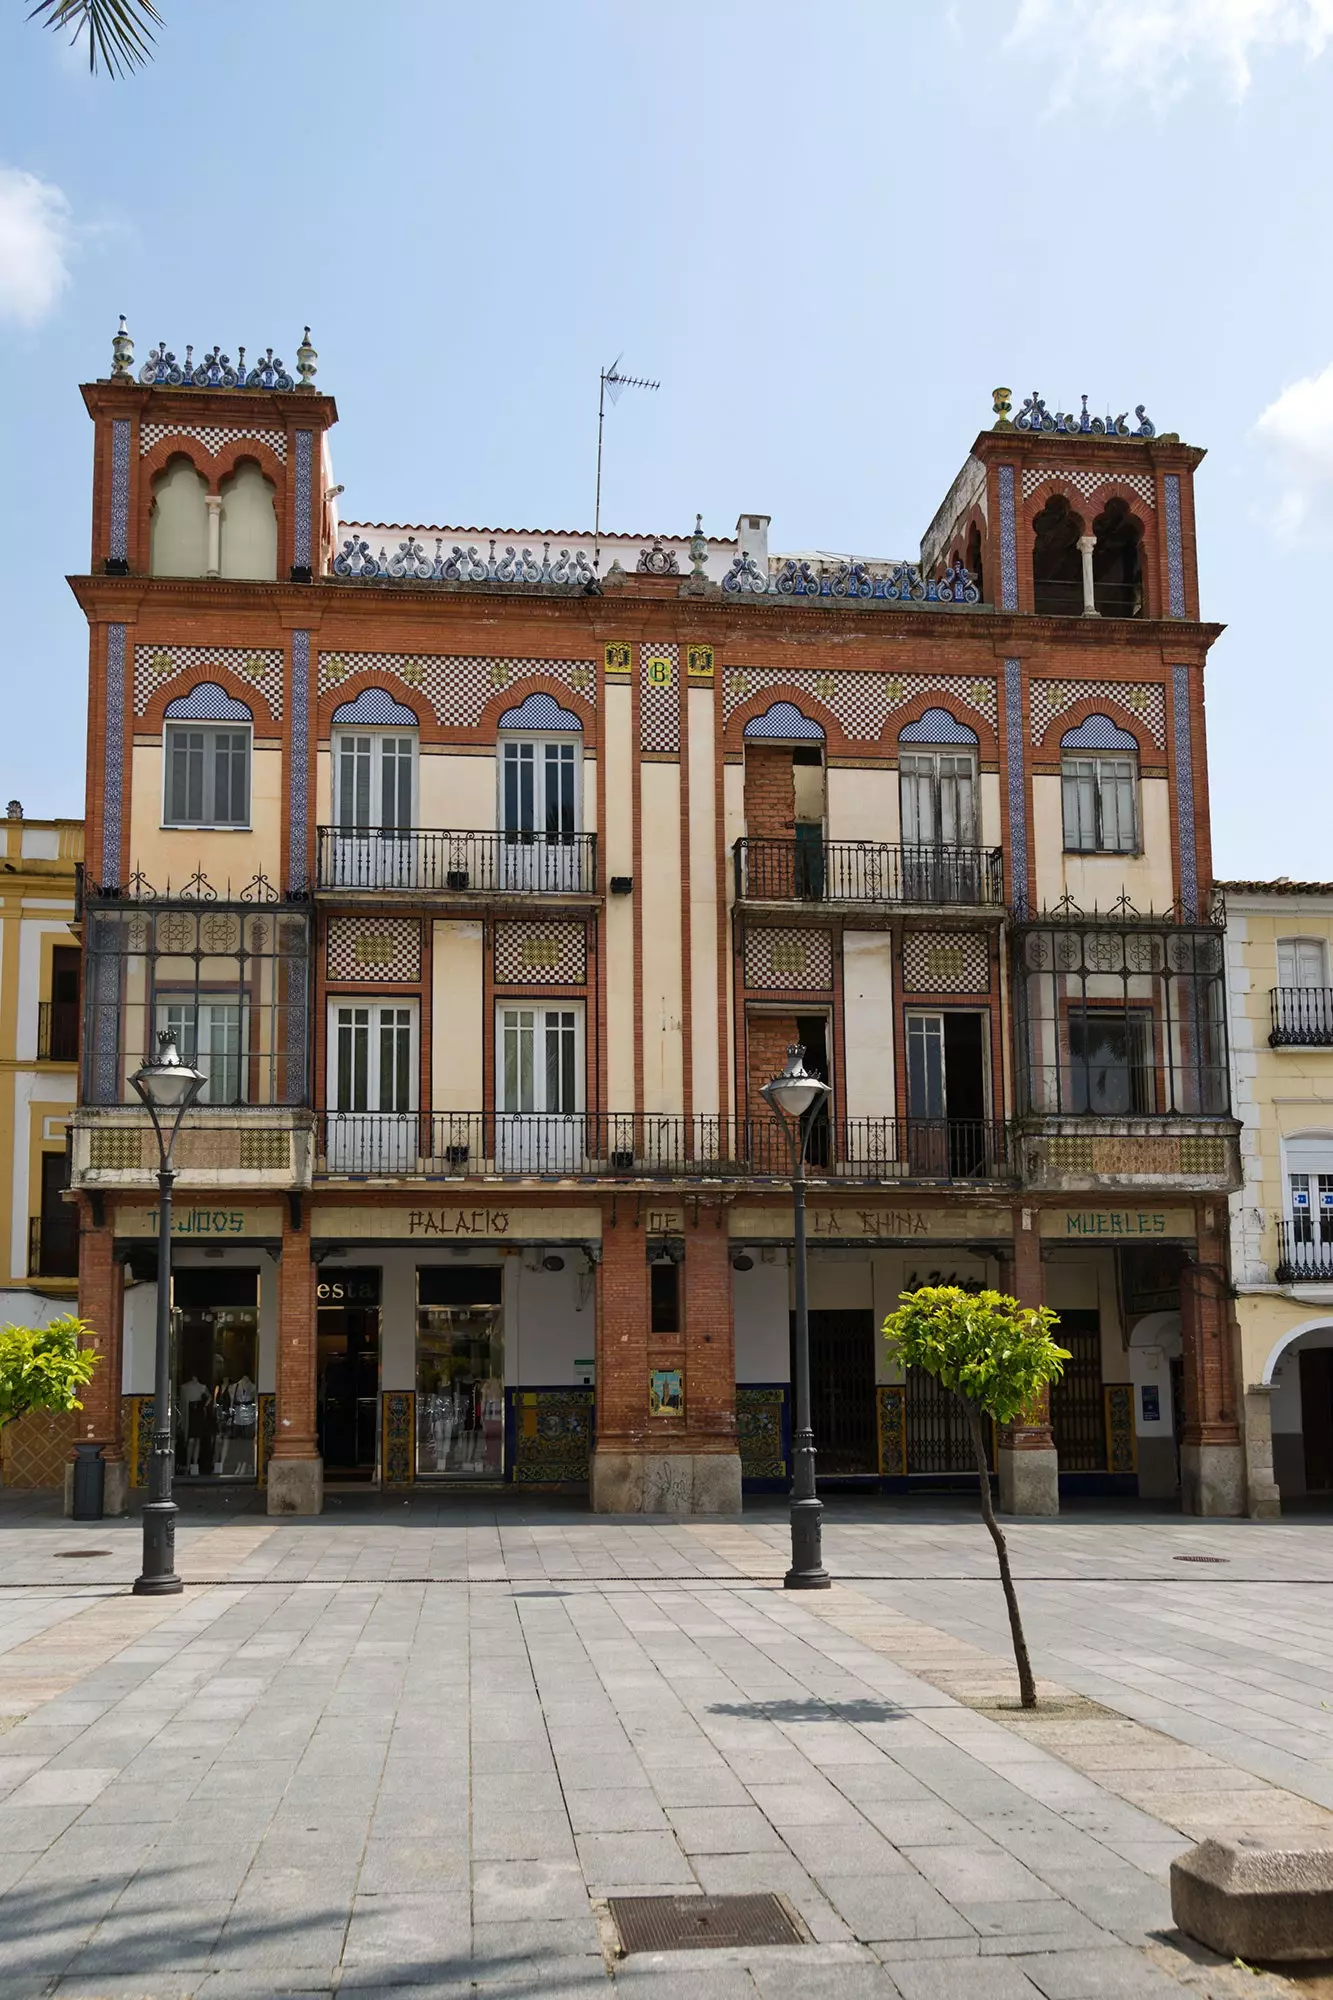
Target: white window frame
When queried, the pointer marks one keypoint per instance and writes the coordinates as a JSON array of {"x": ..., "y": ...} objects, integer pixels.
[
  {"x": 965, "y": 812},
  {"x": 1313, "y": 952},
  {"x": 184, "y": 1013},
  {"x": 374, "y": 822},
  {"x": 541, "y": 744},
  {"x": 375, "y": 1008},
  {"x": 1094, "y": 772},
  {"x": 503, "y": 1041},
  {"x": 208, "y": 730}
]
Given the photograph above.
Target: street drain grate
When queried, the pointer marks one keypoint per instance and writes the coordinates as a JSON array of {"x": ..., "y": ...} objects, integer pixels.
[
  {"x": 78, "y": 1555},
  {"x": 1201, "y": 1559},
  {"x": 692, "y": 1923}
]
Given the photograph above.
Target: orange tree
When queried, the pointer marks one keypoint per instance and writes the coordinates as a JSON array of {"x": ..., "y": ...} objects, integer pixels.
[
  {"x": 43, "y": 1368},
  {"x": 997, "y": 1356}
]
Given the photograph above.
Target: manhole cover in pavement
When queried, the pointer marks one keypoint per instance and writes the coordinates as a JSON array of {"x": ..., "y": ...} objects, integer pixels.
[
  {"x": 77, "y": 1555},
  {"x": 689, "y": 1923},
  {"x": 1200, "y": 1559}
]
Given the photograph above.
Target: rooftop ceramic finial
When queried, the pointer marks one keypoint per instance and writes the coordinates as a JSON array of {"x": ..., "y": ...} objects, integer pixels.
[
  {"x": 1002, "y": 403},
  {"x": 122, "y": 354},
  {"x": 306, "y": 362}
]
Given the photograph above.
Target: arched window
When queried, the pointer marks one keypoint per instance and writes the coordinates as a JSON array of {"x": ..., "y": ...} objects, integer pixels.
[
  {"x": 178, "y": 540},
  {"x": 974, "y": 559},
  {"x": 937, "y": 781},
  {"x": 1117, "y": 567},
  {"x": 1057, "y": 565},
  {"x": 374, "y": 764},
  {"x": 1099, "y": 772},
  {"x": 249, "y": 533},
  {"x": 540, "y": 806},
  {"x": 206, "y": 745}
]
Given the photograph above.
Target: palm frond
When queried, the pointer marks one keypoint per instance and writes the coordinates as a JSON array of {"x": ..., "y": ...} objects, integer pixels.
[{"x": 119, "y": 33}]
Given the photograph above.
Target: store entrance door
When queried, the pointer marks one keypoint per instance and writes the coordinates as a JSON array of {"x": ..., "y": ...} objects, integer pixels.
[
  {"x": 842, "y": 1392},
  {"x": 348, "y": 1363}
]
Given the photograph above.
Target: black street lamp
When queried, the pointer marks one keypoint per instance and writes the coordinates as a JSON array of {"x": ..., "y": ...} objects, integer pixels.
[
  {"x": 168, "y": 1087},
  {"x": 796, "y": 1097}
]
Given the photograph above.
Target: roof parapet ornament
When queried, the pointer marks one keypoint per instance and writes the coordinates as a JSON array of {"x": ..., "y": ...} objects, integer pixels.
[
  {"x": 306, "y": 362},
  {"x": 1002, "y": 404},
  {"x": 1034, "y": 416},
  {"x": 215, "y": 371},
  {"x": 122, "y": 354}
]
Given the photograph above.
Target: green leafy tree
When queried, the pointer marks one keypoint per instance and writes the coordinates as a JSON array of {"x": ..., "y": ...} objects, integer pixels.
[
  {"x": 120, "y": 32},
  {"x": 997, "y": 1356},
  {"x": 43, "y": 1368}
]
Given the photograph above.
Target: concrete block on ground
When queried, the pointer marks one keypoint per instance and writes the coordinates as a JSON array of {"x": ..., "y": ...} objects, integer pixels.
[
  {"x": 631, "y": 1482},
  {"x": 296, "y": 1486},
  {"x": 1029, "y": 1481},
  {"x": 1256, "y": 1899}
]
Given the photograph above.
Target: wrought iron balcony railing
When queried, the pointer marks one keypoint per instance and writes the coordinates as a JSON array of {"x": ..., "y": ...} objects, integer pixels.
[
  {"x": 1303, "y": 1258},
  {"x": 58, "y": 1031},
  {"x": 1301, "y": 1016},
  {"x": 647, "y": 1146},
  {"x": 866, "y": 871},
  {"x": 53, "y": 1244},
  {"x": 457, "y": 862}
]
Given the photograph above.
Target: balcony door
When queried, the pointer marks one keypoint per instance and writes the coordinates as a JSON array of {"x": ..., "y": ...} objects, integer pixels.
[
  {"x": 946, "y": 1093},
  {"x": 1310, "y": 1209},
  {"x": 211, "y": 1034},
  {"x": 374, "y": 783},
  {"x": 539, "y": 813},
  {"x": 539, "y": 1088},
  {"x": 937, "y": 791},
  {"x": 372, "y": 1085}
]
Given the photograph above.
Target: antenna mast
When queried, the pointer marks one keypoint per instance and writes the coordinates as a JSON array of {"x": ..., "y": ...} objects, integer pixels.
[{"x": 612, "y": 379}]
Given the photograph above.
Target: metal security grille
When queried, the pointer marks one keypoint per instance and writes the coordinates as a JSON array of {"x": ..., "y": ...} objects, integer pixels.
[
  {"x": 938, "y": 1438},
  {"x": 842, "y": 1392},
  {"x": 692, "y": 1923},
  {"x": 1078, "y": 1414}
]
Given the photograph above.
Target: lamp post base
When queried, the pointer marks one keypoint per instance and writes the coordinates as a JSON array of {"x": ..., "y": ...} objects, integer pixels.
[
  {"x": 807, "y": 1570},
  {"x": 158, "y": 1577}
]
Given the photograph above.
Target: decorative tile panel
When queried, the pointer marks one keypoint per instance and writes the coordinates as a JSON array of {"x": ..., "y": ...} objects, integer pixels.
[
  {"x": 1087, "y": 483},
  {"x": 861, "y": 704},
  {"x": 113, "y": 769},
  {"x": 761, "y": 1431},
  {"x": 892, "y": 1400},
  {"x": 118, "y": 547},
  {"x": 136, "y": 1418},
  {"x": 659, "y": 697},
  {"x": 398, "y": 1440},
  {"x": 788, "y": 960},
  {"x": 268, "y": 1430},
  {"x": 1147, "y": 702},
  {"x": 458, "y": 688},
  {"x": 541, "y": 954},
  {"x": 945, "y": 962},
  {"x": 1008, "y": 540},
  {"x": 212, "y": 437},
  {"x": 1121, "y": 1441},
  {"x": 158, "y": 666},
  {"x": 1175, "y": 555},
  {"x": 374, "y": 948},
  {"x": 1017, "y": 778},
  {"x": 302, "y": 477},
  {"x": 298, "y": 788},
  {"x": 1189, "y": 859},
  {"x": 551, "y": 1436}
]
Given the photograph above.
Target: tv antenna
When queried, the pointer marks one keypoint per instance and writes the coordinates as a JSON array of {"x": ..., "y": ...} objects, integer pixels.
[{"x": 610, "y": 382}]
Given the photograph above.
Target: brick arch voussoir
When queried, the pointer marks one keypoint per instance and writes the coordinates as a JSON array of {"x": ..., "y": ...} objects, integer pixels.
[
  {"x": 963, "y": 711},
  {"x": 180, "y": 685},
  {"x": 1077, "y": 712},
  {"x": 488, "y": 727},
  {"x": 812, "y": 706}
]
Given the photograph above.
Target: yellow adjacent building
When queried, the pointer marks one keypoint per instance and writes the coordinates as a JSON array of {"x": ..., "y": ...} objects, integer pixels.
[{"x": 1279, "y": 944}]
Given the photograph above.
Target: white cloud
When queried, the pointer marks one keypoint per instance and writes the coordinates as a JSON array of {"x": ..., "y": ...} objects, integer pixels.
[
  {"x": 35, "y": 238},
  {"x": 1297, "y": 427},
  {"x": 1159, "y": 46}
]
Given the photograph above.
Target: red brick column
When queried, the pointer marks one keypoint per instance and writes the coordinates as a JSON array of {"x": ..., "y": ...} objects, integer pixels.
[
  {"x": 622, "y": 1359},
  {"x": 1025, "y": 1451},
  {"x": 102, "y": 1305},
  {"x": 1212, "y": 1475},
  {"x": 710, "y": 1341},
  {"x": 295, "y": 1471}
]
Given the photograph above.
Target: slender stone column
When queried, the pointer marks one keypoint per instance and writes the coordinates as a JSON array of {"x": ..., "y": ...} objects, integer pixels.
[
  {"x": 102, "y": 1304},
  {"x": 1086, "y": 545},
  {"x": 213, "y": 504},
  {"x": 296, "y": 1470},
  {"x": 1263, "y": 1501},
  {"x": 1212, "y": 1459},
  {"x": 1025, "y": 1456}
]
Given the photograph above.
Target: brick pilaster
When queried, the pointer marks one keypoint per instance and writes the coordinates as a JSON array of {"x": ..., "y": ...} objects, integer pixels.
[
  {"x": 294, "y": 1432},
  {"x": 622, "y": 1330},
  {"x": 1025, "y": 1284},
  {"x": 101, "y": 1304},
  {"x": 1211, "y": 1408},
  {"x": 710, "y": 1346}
]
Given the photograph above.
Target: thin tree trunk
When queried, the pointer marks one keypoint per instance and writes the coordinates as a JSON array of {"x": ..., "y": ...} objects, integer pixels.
[{"x": 1027, "y": 1687}]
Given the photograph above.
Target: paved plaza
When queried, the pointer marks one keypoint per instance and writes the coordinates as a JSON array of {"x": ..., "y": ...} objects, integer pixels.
[{"x": 416, "y": 1747}]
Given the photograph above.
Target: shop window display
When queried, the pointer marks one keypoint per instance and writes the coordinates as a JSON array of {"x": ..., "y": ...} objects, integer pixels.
[
  {"x": 460, "y": 1371},
  {"x": 217, "y": 1367}
]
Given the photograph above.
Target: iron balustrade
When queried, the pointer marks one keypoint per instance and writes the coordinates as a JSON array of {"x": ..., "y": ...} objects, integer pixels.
[
  {"x": 1305, "y": 1256},
  {"x": 463, "y": 1145},
  {"x": 457, "y": 862},
  {"x": 53, "y": 1244},
  {"x": 58, "y": 1031},
  {"x": 1301, "y": 1017},
  {"x": 866, "y": 871}
]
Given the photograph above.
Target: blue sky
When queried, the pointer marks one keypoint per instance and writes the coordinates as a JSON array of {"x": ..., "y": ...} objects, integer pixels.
[{"x": 829, "y": 231}]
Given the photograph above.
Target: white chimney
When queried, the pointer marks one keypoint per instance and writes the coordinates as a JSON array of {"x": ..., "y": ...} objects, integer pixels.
[{"x": 752, "y": 537}]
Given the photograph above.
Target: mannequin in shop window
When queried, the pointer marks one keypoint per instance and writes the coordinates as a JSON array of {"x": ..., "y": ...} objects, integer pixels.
[
  {"x": 196, "y": 1409},
  {"x": 238, "y": 1413}
]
